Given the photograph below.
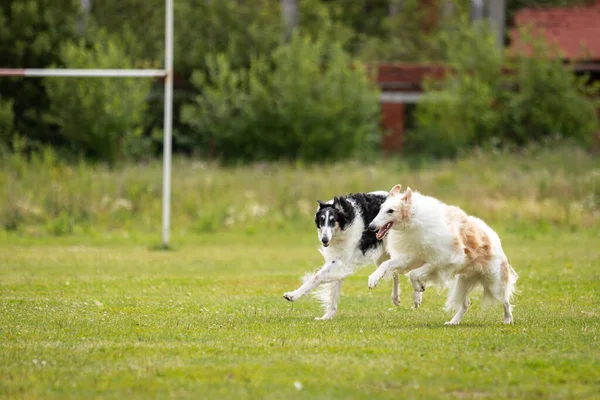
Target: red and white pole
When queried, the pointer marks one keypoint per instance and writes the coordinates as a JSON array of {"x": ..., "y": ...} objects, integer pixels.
[{"x": 84, "y": 73}]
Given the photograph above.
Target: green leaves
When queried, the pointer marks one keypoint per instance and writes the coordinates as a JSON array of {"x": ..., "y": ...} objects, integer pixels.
[
  {"x": 486, "y": 100},
  {"x": 6, "y": 121},
  {"x": 30, "y": 35},
  {"x": 551, "y": 100},
  {"x": 99, "y": 117},
  {"x": 305, "y": 101}
]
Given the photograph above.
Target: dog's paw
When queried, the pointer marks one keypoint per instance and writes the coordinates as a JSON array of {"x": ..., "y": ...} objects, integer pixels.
[
  {"x": 289, "y": 296},
  {"x": 451, "y": 323},
  {"x": 396, "y": 300},
  {"x": 417, "y": 298},
  {"x": 325, "y": 317},
  {"x": 374, "y": 280},
  {"x": 508, "y": 320}
]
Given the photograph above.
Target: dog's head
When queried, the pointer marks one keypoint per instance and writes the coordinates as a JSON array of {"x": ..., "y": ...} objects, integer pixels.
[
  {"x": 331, "y": 218},
  {"x": 395, "y": 210}
]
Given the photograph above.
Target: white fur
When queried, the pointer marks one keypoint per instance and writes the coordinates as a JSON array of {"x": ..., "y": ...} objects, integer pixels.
[{"x": 427, "y": 240}]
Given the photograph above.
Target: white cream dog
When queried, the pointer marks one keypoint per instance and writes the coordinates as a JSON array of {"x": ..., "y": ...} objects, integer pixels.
[{"x": 446, "y": 245}]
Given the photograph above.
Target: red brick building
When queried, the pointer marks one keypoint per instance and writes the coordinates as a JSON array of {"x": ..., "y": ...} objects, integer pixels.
[{"x": 574, "y": 30}]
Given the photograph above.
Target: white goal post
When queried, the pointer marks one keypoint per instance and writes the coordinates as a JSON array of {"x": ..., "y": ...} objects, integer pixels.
[{"x": 166, "y": 74}]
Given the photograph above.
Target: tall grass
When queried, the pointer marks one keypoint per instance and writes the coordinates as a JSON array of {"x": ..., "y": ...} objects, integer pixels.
[{"x": 45, "y": 195}]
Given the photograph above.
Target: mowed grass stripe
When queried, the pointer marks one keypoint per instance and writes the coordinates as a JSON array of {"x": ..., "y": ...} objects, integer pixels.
[{"x": 208, "y": 321}]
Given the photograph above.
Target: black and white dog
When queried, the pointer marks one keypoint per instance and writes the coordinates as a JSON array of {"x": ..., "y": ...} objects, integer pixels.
[{"x": 347, "y": 245}]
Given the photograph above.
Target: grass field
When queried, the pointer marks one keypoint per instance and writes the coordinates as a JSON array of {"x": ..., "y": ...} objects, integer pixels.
[
  {"x": 83, "y": 317},
  {"x": 89, "y": 308}
]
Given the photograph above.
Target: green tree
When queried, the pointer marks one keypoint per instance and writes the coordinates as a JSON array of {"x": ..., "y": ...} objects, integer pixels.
[
  {"x": 30, "y": 34},
  {"x": 410, "y": 30},
  {"x": 99, "y": 117},
  {"x": 139, "y": 24},
  {"x": 240, "y": 29}
]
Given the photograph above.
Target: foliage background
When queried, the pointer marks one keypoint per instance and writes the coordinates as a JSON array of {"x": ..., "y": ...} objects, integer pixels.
[
  {"x": 488, "y": 99},
  {"x": 35, "y": 33}
]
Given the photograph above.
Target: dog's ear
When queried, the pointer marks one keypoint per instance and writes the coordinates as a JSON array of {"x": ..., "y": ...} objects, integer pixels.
[
  {"x": 396, "y": 190},
  {"x": 321, "y": 204},
  {"x": 408, "y": 195},
  {"x": 337, "y": 203}
]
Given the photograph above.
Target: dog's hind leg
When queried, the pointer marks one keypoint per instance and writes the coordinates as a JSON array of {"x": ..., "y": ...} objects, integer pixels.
[
  {"x": 459, "y": 298},
  {"x": 330, "y": 297},
  {"x": 509, "y": 289},
  {"x": 418, "y": 279},
  {"x": 395, "y": 280},
  {"x": 501, "y": 286},
  {"x": 508, "y": 317},
  {"x": 395, "y": 289}
]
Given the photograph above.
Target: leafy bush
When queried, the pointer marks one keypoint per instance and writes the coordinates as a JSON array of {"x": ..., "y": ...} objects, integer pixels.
[
  {"x": 550, "y": 101},
  {"x": 302, "y": 102},
  {"x": 99, "y": 117},
  {"x": 484, "y": 101},
  {"x": 460, "y": 113}
]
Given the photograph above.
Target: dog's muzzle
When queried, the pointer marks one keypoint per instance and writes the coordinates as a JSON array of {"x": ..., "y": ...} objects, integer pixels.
[
  {"x": 372, "y": 227},
  {"x": 325, "y": 242}
]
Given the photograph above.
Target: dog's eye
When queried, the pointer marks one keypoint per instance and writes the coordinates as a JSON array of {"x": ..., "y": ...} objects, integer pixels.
[{"x": 390, "y": 211}]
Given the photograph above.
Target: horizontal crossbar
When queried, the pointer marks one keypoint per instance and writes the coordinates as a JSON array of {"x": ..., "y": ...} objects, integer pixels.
[{"x": 85, "y": 73}]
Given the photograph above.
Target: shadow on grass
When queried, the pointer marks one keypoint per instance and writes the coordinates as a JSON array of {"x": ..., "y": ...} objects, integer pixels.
[
  {"x": 162, "y": 247},
  {"x": 355, "y": 323}
]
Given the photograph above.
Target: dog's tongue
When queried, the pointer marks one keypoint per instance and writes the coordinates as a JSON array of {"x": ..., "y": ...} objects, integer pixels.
[{"x": 383, "y": 230}]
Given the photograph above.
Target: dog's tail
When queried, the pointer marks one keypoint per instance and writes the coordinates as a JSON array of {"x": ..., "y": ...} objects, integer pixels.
[
  {"x": 459, "y": 292},
  {"x": 324, "y": 294},
  {"x": 512, "y": 281}
]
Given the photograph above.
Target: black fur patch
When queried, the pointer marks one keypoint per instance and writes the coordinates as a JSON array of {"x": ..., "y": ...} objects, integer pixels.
[
  {"x": 344, "y": 213},
  {"x": 369, "y": 205}
]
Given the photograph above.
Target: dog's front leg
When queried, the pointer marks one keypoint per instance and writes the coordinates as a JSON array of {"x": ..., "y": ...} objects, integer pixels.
[
  {"x": 395, "y": 280},
  {"x": 312, "y": 282},
  {"x": 402, "y": 264}
]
